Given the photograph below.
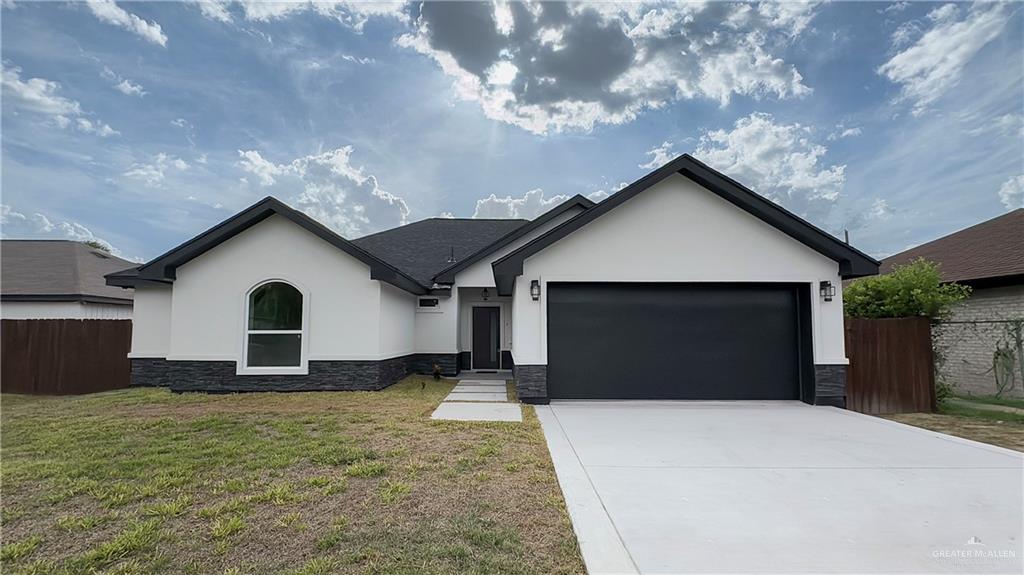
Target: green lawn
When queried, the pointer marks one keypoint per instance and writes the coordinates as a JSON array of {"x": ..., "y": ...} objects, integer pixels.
[
  {"x": 1018, "y": 403},
  {"x": 146, "y": 481}
]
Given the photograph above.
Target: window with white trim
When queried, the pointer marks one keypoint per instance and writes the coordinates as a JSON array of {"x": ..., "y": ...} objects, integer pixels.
[{"x": 273, "y": 337}]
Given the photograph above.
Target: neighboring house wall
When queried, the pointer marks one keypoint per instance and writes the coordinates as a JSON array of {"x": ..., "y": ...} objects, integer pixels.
[
  {"x": 63, "y": 310},
  {"x": 151, "y": 333},
  {"x": 677, "y": 232},
  {"x": 969, "y": 339}
]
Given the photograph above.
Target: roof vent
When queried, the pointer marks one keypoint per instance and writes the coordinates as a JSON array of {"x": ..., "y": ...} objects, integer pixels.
[{"x": 451, "y": 257}]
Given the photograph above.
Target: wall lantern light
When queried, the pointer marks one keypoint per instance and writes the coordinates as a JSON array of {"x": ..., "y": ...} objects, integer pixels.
[
  {"x": 486, "y": 294},
  {"x": 827, "y": 290},
  {"x": 535, "y": 290}
]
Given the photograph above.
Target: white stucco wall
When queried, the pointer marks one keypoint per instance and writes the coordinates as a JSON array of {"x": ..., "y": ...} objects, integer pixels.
[
  {"x": 481, "y": 275},
  {"x": 151, "y": 330},
  {"x": 397, "y": 321},
  {"x": 208, "y": 298},
  {"x": 63, "y": 310},
  {"x": 437, "y": 329},
  {"x": 676, "y": 232}
]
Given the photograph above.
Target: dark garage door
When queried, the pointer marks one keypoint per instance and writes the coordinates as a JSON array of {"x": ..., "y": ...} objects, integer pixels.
[{"x": 675, "y": 341}]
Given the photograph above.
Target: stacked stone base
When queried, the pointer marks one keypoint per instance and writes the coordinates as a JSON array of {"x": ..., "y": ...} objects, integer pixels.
[{"x": 221, "y": 376}]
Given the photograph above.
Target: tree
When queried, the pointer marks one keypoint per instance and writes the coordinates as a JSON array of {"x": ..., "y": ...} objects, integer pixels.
[
  {"x": 95, "y": 244},
  {"x": 912, "y": 290}
]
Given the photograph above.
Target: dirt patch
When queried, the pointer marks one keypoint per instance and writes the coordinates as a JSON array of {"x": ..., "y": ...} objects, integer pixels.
[{"x": 1006, "y": 434}]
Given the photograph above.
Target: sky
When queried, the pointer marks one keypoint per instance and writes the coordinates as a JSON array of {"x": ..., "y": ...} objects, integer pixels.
[{"x": 141, "y": 124}]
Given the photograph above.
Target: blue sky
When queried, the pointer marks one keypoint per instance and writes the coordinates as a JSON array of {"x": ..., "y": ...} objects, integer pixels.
[{"x": 142, "y": 124}]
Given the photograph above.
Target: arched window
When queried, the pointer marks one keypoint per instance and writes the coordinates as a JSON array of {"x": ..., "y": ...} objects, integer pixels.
[{"x": 274, "y": 326}]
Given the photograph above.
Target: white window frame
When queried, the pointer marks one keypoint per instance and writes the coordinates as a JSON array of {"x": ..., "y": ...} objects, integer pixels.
[{"x": 242, "y": 366}]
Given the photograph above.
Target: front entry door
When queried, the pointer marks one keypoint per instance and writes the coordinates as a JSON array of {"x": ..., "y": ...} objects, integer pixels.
[{"x": 486, "y": 337}]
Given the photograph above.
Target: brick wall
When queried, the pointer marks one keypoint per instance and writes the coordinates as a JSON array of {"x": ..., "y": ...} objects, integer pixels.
[{"x": 969, "y": 338}]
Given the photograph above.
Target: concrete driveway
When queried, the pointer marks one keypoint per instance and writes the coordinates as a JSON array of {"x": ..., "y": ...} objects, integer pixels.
[{"x": 697, "y": 487}]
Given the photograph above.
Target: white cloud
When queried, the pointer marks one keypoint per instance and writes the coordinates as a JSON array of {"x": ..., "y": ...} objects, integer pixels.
[
  {"x": 353, "y": 13},
  {"x": 935, "y": 62},
  {"x": 880, "y": 209},
  {"x": 529, "y": 206},
  {"x": 15, "y": 224},
  {"x": 780, "y": 161},
  {"x": 895, "y": 8},
  {"x": 123, "y": 85},
  {"x": 1011, "y": 193},
  {"x": 99, "y": 128},
  {"x": 109, "y": 12},
  {"x": 552, "y": 66},
  {"x": 154, "y": 172},
  {"x": 844, "y": 132},
  {"x": 331, "y": 190},
  {"x": 39, "y": 96},
  {"x": 660, "y": 155}
]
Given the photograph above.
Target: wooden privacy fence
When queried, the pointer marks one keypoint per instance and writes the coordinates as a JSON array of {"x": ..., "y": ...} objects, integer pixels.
[
  {"x": 891, "y": 366},
  {"x": 64, "y": 356}
]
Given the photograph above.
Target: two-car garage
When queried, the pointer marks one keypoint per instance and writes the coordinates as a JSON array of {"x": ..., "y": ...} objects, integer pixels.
[{"x": 677, "y": 340}]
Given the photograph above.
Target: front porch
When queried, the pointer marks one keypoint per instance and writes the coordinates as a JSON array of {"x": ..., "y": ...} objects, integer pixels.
[{"x": 484, "y": 334}]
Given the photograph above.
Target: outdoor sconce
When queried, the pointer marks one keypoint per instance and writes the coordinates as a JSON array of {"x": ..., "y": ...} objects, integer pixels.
[
  {"x": 535, "y": 290},
  {"x": 827, "y": 290},
  {"x": 486, "y": 294}
]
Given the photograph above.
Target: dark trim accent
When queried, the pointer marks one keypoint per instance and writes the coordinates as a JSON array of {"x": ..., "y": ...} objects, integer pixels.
[
  {"x": 164, "y": 267},
  {"x": 805, "y": 340},
  {"x": 852, "y": 262},
  {"x": 465, "y": 358},
  {"x": 66, "y": 298},
  {"x": 506, "y": 360},
  {"x": 447, "y": 275},
  {"x": 830, "y": 385}
]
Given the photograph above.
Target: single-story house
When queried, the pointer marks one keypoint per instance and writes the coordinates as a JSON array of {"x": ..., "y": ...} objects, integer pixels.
[
  {"x": 683, "y": 285},
  {"x": 989, "y": 257},
  {"x": 60, "y": 279}
]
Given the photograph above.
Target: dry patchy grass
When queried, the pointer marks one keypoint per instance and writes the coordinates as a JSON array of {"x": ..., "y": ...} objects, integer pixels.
[
  {"x": 146, "y": 481},
  {"x": 1004, "y": 430}
]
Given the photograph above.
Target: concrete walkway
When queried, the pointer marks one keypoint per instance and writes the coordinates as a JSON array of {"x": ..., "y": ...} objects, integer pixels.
[
  {"x": 478, "y": 400},
  {"x": 780, "y": 487}
]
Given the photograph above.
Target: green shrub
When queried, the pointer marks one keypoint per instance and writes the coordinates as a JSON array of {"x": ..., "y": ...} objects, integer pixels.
[{"x": 911, "y": 290}]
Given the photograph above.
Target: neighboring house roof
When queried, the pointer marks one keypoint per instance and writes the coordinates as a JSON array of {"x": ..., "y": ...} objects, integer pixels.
[
  {"x": 424, "y": 248},
  {"x": 852, "y": 262},
  {"x": 163, "y": 268},
  {"x": 447, "y": 275},
  {"x": 989, "y": 251},
  {"x": 58, "y": 270}
]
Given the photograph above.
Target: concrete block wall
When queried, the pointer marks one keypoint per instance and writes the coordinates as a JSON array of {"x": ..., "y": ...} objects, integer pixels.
[{"x": 969, "y": 338}]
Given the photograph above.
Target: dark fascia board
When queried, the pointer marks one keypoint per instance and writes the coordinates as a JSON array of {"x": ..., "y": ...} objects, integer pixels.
[
  {"x": 163, "y": 269},
  {"x": 447, "y": 275},
  {"x": 83, "y": 298},
  {"x": 853, "y": 263}
]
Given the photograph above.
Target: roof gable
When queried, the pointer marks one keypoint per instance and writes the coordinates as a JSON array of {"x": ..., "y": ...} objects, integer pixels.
[
  {"x": 852, "y": 262},
  {"x": 985, "y": 251},
  {"x": 163, "y": 269},
  {"x": 448, "y": 274}
]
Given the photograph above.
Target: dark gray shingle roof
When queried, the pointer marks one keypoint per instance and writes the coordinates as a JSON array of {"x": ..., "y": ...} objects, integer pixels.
[
  {"x": 422, "y": 249},
  {"x": 58, "y": 269}
]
